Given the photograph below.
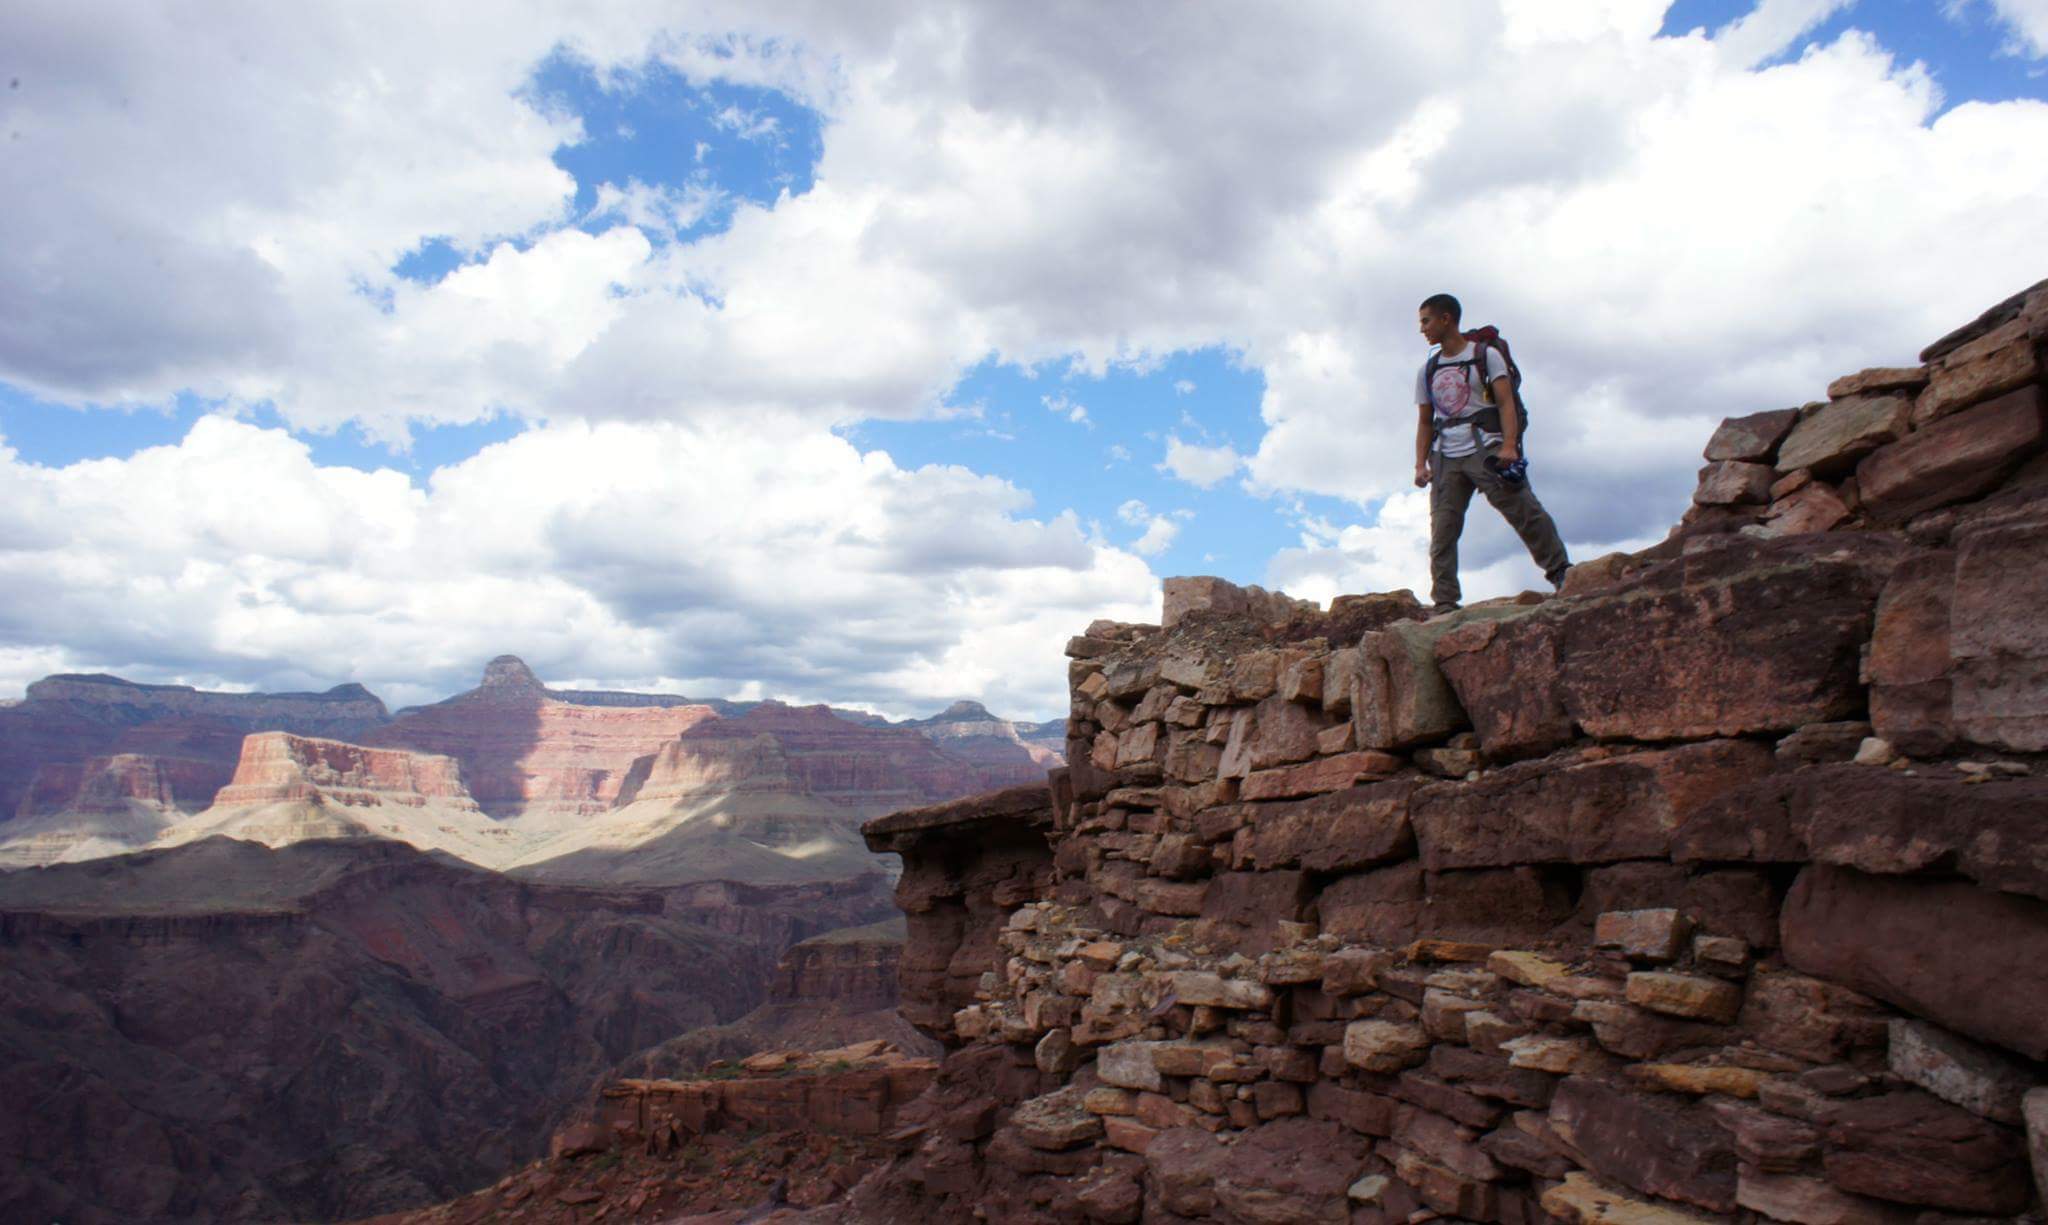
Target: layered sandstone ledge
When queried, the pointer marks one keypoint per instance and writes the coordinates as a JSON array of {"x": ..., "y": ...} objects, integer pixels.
[
  {"x": 853, "y": 1090},
  {"x": 1714, "y": 889}
]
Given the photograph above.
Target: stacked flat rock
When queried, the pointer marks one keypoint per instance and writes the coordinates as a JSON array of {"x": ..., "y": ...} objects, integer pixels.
[{"x": 1709, "y": 890}]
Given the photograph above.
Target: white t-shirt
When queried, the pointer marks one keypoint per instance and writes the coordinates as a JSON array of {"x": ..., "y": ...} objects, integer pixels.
[{"x": 1457, "y": 397}]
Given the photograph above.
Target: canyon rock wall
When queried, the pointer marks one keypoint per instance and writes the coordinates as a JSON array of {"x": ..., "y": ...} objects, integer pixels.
[
  {"x": 776, "y": 793},
  {"x": 831, "y": 990},
  {"x": 223, "y": 1032},
  {"x": 564, "y": 785},
  {"x": 966, "y": 865},
  {"x": 106, "y": 805},
  {"x": 529, "y": 757},
  {"x": 289, "y": 789},
  {"x": 967, "y": 729},
  {"x": 82, "y": 746},
  {"x": 1713, "y": 889}
]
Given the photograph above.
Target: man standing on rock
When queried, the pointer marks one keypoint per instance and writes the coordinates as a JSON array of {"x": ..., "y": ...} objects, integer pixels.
[{"x": 1468, "y": 436}]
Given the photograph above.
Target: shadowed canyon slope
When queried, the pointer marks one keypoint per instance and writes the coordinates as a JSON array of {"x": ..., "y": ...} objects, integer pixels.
[
  {"x": 222, "y": 1031},
  {"x": 284, "y": 1009}
]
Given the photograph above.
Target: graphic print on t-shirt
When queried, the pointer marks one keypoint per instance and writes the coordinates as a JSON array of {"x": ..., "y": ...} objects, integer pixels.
[{"x": 1451, "y": 391}]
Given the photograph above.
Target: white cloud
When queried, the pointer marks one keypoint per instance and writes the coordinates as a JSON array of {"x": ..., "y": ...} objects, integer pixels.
[
  {"x": 1667, "y": 236},
  {"x": 1204, "y": 467},
  {"x": 2026, "y": 23},
  {"x": 1160, "y": 530},
  {"x": 1183, "y": 387},
  {"x": 664, "y": 209},
  {"x": 1772, "y": 26},
  {"x": 748, "y": 125},
  {"x": 693, "y": 559},
  {"x": 1061, "y": 405}
]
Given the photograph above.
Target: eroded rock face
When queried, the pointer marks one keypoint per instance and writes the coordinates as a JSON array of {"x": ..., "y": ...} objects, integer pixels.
[
  {"x": 51, "y": 739},
  {"x": 1659, "y": 938},
  {"x": 290, "y": 789},
  {"x": 966, "y": 866},
  {"x": 358, "y": 1001},
  {"x": 105, "y": 806},
  {"x": 1738, "y": 638},
  {"x": 525, "y": 754},
  {"x": 832, "y": 990},
  {"x": 1970, "y": 958}
]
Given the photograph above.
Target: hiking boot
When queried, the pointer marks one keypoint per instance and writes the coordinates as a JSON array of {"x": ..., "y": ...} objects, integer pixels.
[
  {"x": 1558, "y": 576},
  {"x": 1438, "y": 610}
]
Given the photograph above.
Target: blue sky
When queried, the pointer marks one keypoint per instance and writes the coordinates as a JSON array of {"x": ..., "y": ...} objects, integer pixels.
[
  {"x": 1962, "y": 43},
  {"x": 1087, "y": 311}
]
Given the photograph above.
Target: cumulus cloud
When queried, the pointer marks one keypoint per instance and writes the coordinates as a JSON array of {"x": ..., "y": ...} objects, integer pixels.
[
  {"x": 1061, "y": 405},
  {"x": 2026, "y": 22},
  {"x": 1160, "y": 530},
  {"x": 652, "y": 555},
  {"x": 1202, "y": 466},
  {"x": 665, "y": 210},
  {"x": 1772, "y": 26},
  {"x": 1668, "y": 233}
]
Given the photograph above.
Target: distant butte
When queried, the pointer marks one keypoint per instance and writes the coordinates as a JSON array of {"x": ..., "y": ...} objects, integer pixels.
[{"x": 528, "y": 776}]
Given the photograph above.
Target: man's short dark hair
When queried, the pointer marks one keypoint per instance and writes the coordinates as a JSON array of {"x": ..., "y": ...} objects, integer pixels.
[{"x": 1444, "y": 304}]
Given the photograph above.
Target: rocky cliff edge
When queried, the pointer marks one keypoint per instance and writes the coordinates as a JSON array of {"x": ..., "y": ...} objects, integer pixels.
[{"x": 1712, "y": 890}]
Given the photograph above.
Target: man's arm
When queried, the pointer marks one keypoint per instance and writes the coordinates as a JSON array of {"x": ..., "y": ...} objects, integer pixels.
[
  {"x": 1422, "y": 438},
  {"x": 1510, "y": 419}
]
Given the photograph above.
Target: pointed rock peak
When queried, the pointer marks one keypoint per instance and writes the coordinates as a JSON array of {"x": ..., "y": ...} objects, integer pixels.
[{"x": 509, "y": 672}]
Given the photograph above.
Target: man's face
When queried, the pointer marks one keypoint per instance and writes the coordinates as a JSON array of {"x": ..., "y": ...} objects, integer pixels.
[{"x": 1436, "y": 326}]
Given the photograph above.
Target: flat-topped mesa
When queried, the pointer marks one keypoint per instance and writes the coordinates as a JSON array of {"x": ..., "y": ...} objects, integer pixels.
[
  {"x": 343, "y": 709},
  {"x": 847, "y": 970},
  {"x": 290, "y": 789},
  {"x": 68, "y": 721},
  {"x": 278, "y": 766},
  {"x": 809, "y": 749},
  {"x": 1620, "y": 904}
]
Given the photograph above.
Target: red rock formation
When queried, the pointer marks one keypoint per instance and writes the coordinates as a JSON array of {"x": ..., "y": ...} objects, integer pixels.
[
  {"x": 855, "y": 1090},
  {"x": 105, "y": 806},
  {"x": 808, "y": 749},
  {"x": 830, "y": 990},
  {"x": 783, "y": 1139},
  {"x": 966, "y": 864},
  {"x": 853, "y": 969},
  {"x": 777, "y": 793},
  {"x": 967, "y": 730},
  {"x": 290, "y": 789},
  {"x": 1600, "y": 908},
  {"x": 68, "y": 720},
  {"x": 546, "y": 761},
  {"x": 526, "y": 755},
  {"x": 277, "y": 766},
  {"x": 225, "y": 1032}
]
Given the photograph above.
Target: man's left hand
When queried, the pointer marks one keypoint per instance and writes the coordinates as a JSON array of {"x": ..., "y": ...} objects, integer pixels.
[{"x": 1508, "y": 453}]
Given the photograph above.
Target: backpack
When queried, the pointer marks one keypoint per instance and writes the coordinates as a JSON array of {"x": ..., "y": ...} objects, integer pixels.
[{"x": 1488, "y": 417}]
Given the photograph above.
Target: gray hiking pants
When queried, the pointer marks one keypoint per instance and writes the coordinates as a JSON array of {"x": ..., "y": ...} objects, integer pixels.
[{"x": 1450, "y": 492}]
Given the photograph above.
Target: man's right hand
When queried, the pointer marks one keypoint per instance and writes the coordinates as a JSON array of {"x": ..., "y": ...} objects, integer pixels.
[{"x": 1422, "y": 475}]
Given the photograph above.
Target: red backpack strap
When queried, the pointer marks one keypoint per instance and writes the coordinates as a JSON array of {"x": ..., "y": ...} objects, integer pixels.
[{"x": 1482, "y": 339}]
